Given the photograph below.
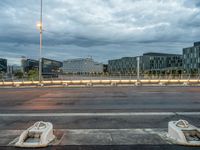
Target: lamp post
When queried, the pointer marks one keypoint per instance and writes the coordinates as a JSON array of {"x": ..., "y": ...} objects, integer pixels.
[
  {"x": 40, "y": 59},
  {"x": 138, "y": 69}
]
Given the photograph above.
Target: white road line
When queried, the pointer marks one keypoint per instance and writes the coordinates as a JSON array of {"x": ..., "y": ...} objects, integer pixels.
[{"x": 98, "y": 114}]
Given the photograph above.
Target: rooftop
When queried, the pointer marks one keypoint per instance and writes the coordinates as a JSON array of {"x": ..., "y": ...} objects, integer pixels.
[
  {"x": 79, "y": 59},
  {"x": 197, "y": 43},
  {"x": 160, "y": 54}
]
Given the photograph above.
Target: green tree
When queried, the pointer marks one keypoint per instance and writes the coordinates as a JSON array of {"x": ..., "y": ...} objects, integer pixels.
[
  {"x": 33, "y": 74},
  {"x": 19, "y": 74},
  {"x": 1, "y": 75}
]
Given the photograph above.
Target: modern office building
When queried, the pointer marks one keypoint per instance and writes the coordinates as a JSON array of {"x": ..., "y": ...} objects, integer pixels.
[
  {"x": 162, "y": 63},
  {"x": 3, "y": 65},
  {"x": 51, "y": 68},
  {"x": 82, "y": 65},
  {"x": 29, "y": 64},
  {"x": 197, "y": 43},
  {"x": 191, "y": 59},
  {"x": 123, "y": 66},
  {"x": 149, "y": 63}
]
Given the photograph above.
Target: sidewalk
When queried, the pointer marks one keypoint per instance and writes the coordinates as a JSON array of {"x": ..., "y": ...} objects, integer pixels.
[{"x": 96, "y": 137}]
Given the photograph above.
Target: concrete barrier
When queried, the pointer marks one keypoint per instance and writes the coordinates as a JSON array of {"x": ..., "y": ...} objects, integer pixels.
[
  {"x": 108, "y": 82},
  {"x": 38, "y": 135},
  {"x": 183, "y": 133}
]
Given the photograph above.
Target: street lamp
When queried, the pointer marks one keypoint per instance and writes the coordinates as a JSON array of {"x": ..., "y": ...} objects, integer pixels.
[
  {"x": 40, "y": 25},
  {"x": 138, "y": 69}
]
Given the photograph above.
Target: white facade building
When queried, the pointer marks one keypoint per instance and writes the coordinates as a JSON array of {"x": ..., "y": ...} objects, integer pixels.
[{"x": 82, "y": 65}]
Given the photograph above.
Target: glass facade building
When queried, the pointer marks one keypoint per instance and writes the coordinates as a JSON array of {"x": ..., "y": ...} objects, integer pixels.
[
  {"x": 161, "y": 62},
  {"x": 123, "y": 66},
  {"x": 3, "y": 65},
  {"x": 51, "y": 68},
  {"x": 191, "y": 59},
  {"x": 29, "y": 64},
  {"x": 149, "y": 63}
]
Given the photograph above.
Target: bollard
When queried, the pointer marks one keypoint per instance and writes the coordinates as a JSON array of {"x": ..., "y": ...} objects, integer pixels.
[{"x": 113, "y": 84}]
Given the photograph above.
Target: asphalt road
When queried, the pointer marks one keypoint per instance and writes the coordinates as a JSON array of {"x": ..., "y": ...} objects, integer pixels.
[
  {"x": 99, "y": 108},
  {"x": 100, "y": 99}
]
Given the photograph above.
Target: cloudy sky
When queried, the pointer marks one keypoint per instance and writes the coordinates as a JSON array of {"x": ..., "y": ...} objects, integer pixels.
[{"x": 103, "y": 29}]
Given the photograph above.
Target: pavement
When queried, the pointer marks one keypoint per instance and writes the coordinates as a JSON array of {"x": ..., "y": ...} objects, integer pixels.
[{"x": 99, "y": 117}]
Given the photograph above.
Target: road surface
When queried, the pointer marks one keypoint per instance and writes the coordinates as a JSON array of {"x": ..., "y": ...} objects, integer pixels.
[{"x": 100, "y": 117}]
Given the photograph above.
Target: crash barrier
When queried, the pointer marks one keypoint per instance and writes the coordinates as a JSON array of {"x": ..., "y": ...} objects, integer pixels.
[
  {"x": 38, "y": 135},
  {"x": 183, "y": 133},
  {"x": 161, "y": 82}
]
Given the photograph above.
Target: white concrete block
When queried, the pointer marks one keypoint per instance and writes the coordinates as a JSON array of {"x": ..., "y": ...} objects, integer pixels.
[
  {"x": 38, "y": 135},
  {"x": 183, "y": 133}
]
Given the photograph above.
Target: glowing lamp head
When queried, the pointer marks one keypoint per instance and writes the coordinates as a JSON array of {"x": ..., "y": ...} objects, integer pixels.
[{"x": 39, "y": 25}]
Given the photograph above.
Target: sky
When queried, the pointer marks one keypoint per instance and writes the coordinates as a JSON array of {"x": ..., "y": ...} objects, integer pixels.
[{"x": 101, "y": 29}]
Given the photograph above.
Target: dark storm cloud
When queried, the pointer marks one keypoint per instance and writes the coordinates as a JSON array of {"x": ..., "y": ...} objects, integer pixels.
[{"x": 104, "y": 29}]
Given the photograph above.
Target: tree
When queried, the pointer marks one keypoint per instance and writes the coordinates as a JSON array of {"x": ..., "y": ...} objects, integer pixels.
[
  {"x": 19, "y": 74},
  {"x": 1, "y": 75},
  {"x": 33, "y": 75}
]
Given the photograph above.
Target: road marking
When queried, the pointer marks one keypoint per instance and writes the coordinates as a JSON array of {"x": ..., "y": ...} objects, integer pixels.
[{"x": 98, "y": 114}]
